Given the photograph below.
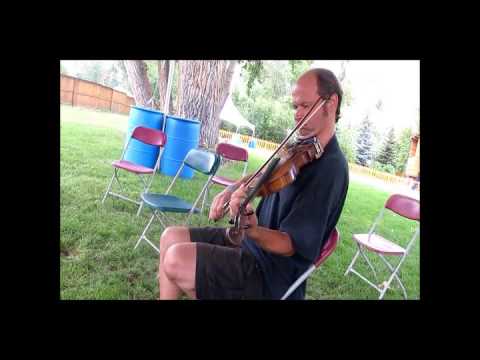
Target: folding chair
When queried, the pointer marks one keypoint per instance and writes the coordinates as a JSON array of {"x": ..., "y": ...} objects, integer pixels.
[
  {"x": 229, "y": 152},
  {"x": 147, "y": 136},
  {"x": 199, "y": 160},
  {"x": 405, "y": 207},
  {"x": 327, "y": 250}
]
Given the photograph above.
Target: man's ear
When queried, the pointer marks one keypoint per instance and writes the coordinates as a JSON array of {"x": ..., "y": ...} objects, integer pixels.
[{"x": 333, "y": 102}]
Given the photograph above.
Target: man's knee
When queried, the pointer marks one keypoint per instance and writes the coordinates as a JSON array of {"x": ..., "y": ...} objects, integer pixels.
[
  {"x": 172, "y": 262},
  {"x": 173, "y": 235}
]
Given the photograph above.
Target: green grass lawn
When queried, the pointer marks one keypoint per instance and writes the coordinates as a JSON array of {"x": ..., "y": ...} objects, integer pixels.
[{"x": 97, "y": 257}]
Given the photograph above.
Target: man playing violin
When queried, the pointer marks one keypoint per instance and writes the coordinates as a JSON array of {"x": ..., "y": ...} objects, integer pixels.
[{"x": 286, "y": 232}]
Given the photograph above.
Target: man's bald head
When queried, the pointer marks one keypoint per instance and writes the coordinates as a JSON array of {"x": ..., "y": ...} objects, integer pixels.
[{"x": 327, "y": 85}]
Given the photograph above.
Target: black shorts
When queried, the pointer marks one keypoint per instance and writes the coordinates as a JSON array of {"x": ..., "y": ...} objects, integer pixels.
[{"x": 224, "y": 272}]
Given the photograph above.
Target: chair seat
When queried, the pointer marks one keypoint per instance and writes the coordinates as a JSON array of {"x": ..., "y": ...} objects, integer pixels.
[
  {"x": 167, "y": 203},
  {"x": 129, "y": 166},
  {"x": 220, "y": 180},
  {"x": 379, "y": 244}
]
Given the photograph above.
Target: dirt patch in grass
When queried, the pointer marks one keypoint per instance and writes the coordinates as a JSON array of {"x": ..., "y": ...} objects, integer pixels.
[{"x": 69, "y": 253}]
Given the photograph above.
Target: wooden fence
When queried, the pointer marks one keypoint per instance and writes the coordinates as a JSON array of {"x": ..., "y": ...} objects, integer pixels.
[
  {"x": 245, "y": 139},
  {"x": 386, "y": 177},
  {"x": 78, "y": 92}
]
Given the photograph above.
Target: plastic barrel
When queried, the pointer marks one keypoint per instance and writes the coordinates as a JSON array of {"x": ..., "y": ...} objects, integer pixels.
[
  {"x": 182, "y": 136},
  {"x": 138, "y": 152},
  {"x": 252, "y": 144}
]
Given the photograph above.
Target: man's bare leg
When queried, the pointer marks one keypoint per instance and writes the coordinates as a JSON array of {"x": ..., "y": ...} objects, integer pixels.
[
  {"x": 169, "y": 290},
  {"x": 179, "y": 266}
]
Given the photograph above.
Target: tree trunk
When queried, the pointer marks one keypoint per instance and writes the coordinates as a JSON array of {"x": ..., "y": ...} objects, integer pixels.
[
  {"x": 138, "y": 81},
  {"x": 179, "y": 89},
  {"x": 163, "y": 69},
  {"x": 204, "y": 89}
]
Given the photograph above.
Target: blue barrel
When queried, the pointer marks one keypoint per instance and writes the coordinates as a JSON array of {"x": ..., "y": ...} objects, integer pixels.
[
  {"x": 182, "y": 136},
  {"x": 138, "y": 152},
  {"x": 252, "y": 144}
]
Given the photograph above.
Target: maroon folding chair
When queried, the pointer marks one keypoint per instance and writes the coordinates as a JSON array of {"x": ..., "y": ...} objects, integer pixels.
[
  {"x": 229, "y": 152},
  {"x": 327, "y": 250},
  {"x": 147, "y": 136},
  {"x": 404, "y": 206}
]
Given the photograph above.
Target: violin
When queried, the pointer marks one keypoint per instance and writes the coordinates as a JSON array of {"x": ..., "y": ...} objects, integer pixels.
[
  {"x": 289, "y": 165},
  {"x": 277, "y": 172}
]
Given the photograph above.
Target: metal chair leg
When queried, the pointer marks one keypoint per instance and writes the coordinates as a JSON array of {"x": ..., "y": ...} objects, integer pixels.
[
  {"x": 144, "y": 231},
  {"x": 368, "y": 262},
  {"x": 140, "y": 208},
  {"x": 395, "y": 276},
  {"x": 205, "y": 199},
  {"x": 352, "y": 263},
  {"x": 108, "y": 188}
]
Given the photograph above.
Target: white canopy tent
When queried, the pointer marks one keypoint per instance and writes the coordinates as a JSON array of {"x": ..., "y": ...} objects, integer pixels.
[{"x": 231, "y": 115}]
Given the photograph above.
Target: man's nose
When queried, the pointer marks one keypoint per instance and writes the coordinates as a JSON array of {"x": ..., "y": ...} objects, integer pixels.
[{"x": 298, "y": 115}]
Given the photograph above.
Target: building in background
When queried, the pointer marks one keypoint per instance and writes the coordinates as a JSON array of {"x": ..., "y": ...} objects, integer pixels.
[{"x": 413, "y": 162}]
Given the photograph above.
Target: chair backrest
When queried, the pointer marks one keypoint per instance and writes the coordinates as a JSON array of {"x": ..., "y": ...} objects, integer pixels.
[
  {"x": 149, "y": 136},
  {"x": 329, "y": 246},
  {"x": 404, "y": 206},
  {"x": 232, "y": 152},
  {"x": 201, "y": 160}
]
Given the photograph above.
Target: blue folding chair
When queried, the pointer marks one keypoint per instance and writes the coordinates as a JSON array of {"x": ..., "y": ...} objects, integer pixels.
[{"x": 203, "y": 161}]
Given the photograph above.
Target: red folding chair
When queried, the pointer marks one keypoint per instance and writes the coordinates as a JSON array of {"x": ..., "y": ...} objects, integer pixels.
[
  {"x": 147, "y": 136},
  {"x": 404, "y": 206},
  {"x": 229, "y": 152},
  {"x": 327, "y": 250}
]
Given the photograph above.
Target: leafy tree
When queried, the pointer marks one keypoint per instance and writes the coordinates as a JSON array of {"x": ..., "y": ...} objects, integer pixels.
[
  {"x": 347, "y": 98},
  {"x": 107, "y": 73},
  {"x": 263, "y": 96},
  {"x": 113, "y": 76},
  {"x": 257, "y": 71},
  {"x": 345, "y": 136},
  {"x": 402, "y": 150},
  {"x": 92, "y": 71},
  {"x": 254, "y": 70},
  {"x": 297, "y": 68}
]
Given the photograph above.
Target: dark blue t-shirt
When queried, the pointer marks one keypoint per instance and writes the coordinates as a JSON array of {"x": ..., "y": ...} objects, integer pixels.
[{"x": 307, "y": 210}]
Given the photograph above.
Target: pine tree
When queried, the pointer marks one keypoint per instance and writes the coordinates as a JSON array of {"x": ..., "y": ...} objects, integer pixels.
[
  {"x": 364, "y": 142},
  {"x": 387, "y": 153}
]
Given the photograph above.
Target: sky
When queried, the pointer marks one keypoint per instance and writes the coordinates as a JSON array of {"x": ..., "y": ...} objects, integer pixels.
[{"x": 73, "y": 66}]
